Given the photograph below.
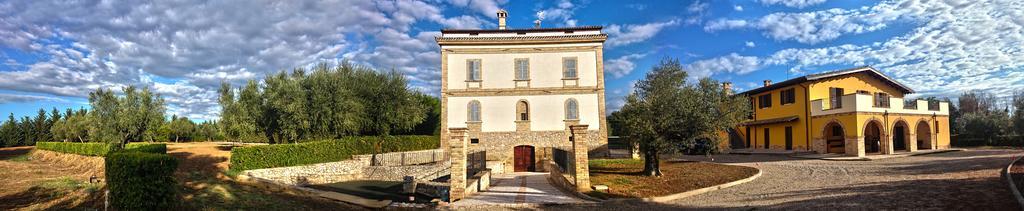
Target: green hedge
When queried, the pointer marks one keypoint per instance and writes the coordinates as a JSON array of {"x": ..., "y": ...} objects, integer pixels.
[
  {"x": 89, "y": 149},
  {"x": 141, "y": 181},
  {"x": 159, "y": 148},
  {"x": 100, "y": 149},
  {"x": 281, "y": 155}
]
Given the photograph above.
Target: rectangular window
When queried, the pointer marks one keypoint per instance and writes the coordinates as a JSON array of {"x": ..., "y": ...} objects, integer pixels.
[
  {"x": 474, "y": 141},
  {"x": 787, "y": 96},
  {"x": 835, "y": 97},
  {"x": 767, "y": 142},
  {"x": 522, "y": 69},
  {"x": 881, "y": 100},
  {"x": 473, "y": 70},
  {"x": 764, "y": 101},
  {"x": 569, "y": 67}
]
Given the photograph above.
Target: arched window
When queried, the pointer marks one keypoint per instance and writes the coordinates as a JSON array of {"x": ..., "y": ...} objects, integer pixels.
[
  {"x": 523, "y": 111},
  {"x": 572, "y": 109},
  {"x": 474, "y": 111}
]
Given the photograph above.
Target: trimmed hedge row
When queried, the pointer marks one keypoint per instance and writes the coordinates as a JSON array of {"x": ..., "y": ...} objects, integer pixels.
[
  {"x": 159, "y": 148},
  {"x": 100, "y": 149},
  {"x": 282, "y": 155},
  {"x": 89, "y": 149},
  {"x": 141, "y": 181}
]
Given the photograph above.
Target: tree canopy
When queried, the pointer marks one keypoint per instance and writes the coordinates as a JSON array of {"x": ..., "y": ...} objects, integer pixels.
[{"x": 665, "y": 113}]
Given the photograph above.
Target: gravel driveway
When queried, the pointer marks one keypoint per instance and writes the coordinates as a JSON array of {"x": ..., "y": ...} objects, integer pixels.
[{"x": 967, "y": 180}]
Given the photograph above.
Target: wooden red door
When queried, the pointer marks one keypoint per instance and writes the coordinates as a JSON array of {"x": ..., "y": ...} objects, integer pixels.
[{"x": 523, "y": 158}]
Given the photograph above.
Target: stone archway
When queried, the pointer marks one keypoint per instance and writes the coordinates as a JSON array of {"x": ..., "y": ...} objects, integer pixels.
[
  {"x": 873, "y": 137},
  {"x": 835, "y": 138},
  {"x": 901, "y": 136},
  {"x": 924, "y": 135}
]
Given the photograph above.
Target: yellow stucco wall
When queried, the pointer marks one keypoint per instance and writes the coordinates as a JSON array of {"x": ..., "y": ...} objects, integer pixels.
[
  {"x": 853, "y": 123},
  {"x": 851, "y": 84},
  {"x": 776, "y": 134}
]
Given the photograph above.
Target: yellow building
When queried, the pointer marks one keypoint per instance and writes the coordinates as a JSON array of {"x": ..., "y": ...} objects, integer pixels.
[{"x": 854, "y": 111}]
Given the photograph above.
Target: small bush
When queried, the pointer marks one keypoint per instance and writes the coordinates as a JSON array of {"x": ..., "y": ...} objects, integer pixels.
[
  {"x": 89, "y": 149},
  {"x": 141, "y": 181},
  {"x": 281, "y": 155},
  {"x": 159, "y": 148},
  {"x": 100, "y": 149}
]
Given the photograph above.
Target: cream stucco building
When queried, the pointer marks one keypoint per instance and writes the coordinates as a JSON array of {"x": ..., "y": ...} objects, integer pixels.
[{"x": 518, "y": 90}]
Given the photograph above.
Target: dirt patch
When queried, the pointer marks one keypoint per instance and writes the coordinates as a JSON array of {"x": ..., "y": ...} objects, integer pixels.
[
  {"x": 624, "y": 177},
  {"x": 48, "y": 180},
  {"x": 205, "y": 186}
]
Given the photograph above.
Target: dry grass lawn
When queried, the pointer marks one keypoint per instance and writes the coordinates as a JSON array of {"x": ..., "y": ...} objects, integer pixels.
[
  {"x": 49, "y": 181},
  {"x": 624, "y": 177}
]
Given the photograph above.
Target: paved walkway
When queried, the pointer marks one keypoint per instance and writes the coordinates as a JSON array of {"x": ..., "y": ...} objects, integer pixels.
[
  {"x": 518, "y": 189},
  {"x": 875, "y": 156},
  {"x": 964, "y": 180}
]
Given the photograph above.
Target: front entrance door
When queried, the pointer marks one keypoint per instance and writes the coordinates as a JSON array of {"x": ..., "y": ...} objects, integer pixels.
[
  {"x": 834, "y": 139},
  {"x": 789, "y": 138},
  {"x": 523, "y": 158}
]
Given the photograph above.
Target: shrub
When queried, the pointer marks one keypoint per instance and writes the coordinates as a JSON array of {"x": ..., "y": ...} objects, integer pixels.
[
  {"x": 89, "y": 149},
  {"x": 159, "y": 148},
  {"x": 100, "y": 149},
  {"x": 141, "y": 181},
  {"x": 281, "y": 155}
]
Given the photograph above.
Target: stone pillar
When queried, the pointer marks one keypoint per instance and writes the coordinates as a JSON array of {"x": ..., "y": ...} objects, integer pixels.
[
  {"x": 886, "y": 145},
  {"x": 855, "y": 146},
  {"x": 911, "y": 142},
  {"x": 581, "y": 167},
  {"x": 458, "y": 143}
]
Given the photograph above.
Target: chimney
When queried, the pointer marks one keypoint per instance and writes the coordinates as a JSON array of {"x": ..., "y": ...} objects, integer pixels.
[
  {"x": 536, "y": 24},
  {"x": 767, "y": 82},
  {"x": 502, "y": 14}
]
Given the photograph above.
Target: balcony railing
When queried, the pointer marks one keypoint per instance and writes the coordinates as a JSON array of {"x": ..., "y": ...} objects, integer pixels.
[{"x": 867, "y": 103}]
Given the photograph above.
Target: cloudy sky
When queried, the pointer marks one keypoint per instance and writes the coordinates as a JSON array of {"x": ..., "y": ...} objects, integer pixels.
[{"x": 53, "y": 53}]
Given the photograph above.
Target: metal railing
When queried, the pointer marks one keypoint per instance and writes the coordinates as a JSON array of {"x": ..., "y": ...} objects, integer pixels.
[
  {"x": 561, "y": 157},
  {"x": 409, "y": 158},
  {"x": 475, "y": 162}
]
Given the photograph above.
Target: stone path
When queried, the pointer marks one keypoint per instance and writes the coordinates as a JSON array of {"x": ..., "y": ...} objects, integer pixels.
[
  {"x": 965, "y": 180},
  {"x": 518, "y": 189}
]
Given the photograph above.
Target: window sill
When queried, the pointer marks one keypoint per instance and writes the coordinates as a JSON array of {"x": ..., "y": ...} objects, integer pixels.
[
  {"x": 566, "y": 79},
  {"x": 571, "y": 120},
  {"x": 474, "y": 80},
  {"x": 520, "y": 79},
  {"x": 522, "y": 121},
  {"x": 474, "y": 122}
]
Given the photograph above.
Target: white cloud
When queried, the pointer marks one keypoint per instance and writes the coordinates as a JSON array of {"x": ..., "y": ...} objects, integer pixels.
[
  {"x": 197, "y": 44},
  {"x": 956, "y": 46},
  {"x": 793, "y": 3},
  {"x": 732, "y": 63},
  {"x": 561, "y": 14},
  {"x": 738, "y": 8},
  {"x": 622, "y": 66},
  {"x": 697, "y": 11},
  {"x": 19, "y": 98},
  {"x": 626, "y": 34},
  {"x": 820, "y": 26},
  {"x": 750, "y": 44}
]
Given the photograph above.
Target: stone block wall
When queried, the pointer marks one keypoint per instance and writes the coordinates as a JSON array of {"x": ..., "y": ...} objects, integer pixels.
[
  {"x": 499, "y": 145},
  {"x": 313, "y": 174}
]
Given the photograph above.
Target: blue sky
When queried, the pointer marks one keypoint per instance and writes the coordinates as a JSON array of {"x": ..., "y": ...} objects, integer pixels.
[{"x": 53, "y": 53}]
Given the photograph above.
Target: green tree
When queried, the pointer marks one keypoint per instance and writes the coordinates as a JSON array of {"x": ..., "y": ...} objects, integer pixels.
[
  {"x": 9, "y": 132},
  {"x": 1018, "y": 112},
  {"x": 181, "y": 127},
  {"x": 134, "y": 117},
  {"x": 431, "y": 124},
  {"x": 666, "y": 114}
]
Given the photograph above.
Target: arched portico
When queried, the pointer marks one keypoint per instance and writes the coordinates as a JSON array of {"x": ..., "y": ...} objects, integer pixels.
[
  {"x": 901, "y": 138},
  {"x": 835, "y": 137},
  {"x": 924, "y": 135},
  {"x": 873, "y": 137}
]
